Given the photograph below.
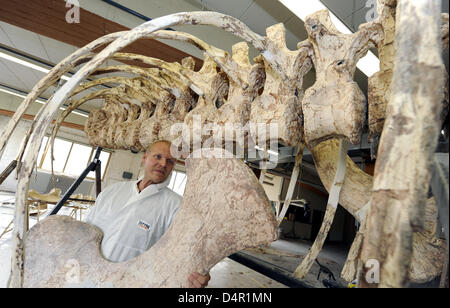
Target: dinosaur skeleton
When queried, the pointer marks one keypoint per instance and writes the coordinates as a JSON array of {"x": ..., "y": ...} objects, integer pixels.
[{"x": 229, "y": 89}]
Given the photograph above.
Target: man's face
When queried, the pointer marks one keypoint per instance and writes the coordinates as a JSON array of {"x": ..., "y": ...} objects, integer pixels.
[{"x": 158, "y": 163}]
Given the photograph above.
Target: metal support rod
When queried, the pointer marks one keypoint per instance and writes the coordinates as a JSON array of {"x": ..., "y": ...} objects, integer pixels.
[
  {"x": 98, "y": 178},
  {"x": 91, "y": 167},
  {"x": 270, "y": 270}
]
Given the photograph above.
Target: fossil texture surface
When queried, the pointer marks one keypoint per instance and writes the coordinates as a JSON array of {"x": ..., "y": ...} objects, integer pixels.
[
  {"x": 146, "y": 102},
  {"x": 224, "y": 210}
]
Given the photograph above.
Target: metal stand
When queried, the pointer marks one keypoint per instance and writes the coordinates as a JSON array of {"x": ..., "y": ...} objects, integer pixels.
[
  {"x": 270, "y": 270},
  {"x": 95, "y": 165}
]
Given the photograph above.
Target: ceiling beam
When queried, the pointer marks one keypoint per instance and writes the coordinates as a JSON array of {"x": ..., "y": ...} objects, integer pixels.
[
  {"x": 29, "y": 117},
  {"x": 48, "y": 18}
]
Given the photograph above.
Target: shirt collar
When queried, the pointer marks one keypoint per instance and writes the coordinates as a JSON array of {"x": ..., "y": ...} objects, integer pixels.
[{"x": 152, "y": 188}]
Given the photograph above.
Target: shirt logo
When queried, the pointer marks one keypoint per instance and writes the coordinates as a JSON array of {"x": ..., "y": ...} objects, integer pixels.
[{"x": 143, "y": 225}]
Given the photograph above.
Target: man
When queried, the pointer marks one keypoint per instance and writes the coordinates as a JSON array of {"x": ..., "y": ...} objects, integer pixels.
[{"x": 133, "y": 216}]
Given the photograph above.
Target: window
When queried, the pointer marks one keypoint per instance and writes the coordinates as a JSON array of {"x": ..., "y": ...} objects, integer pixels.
[
  {"x": 104, "y": 158},
  {"x": 178, "y": 182},
  {"x": 70, "y": 158},
  {"x": 61, "y": 151},
  {"x": 79, "y": 157}
]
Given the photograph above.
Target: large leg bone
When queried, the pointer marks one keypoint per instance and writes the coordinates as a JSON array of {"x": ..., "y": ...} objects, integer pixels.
[
  {"x": 402, "y": 172},
  {"x": 334, "y": 106},
  {"x": 354, "y": 197},
  {"x": 280, "y": 101},
  {"x": 379, "y": 89},
  {"x": 224, "y": 210}
]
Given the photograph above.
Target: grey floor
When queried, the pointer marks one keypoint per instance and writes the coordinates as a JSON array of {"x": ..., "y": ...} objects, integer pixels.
[{"x": 225, "y": 274}]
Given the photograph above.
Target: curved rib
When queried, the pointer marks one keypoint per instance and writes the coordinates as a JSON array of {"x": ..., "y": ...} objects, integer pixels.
[
  {"x": 49, "y": 79},
  {"x": 357, "y": 186},
  {"x": 219, "y": 20},
  {"x": 332, "y": 204}
]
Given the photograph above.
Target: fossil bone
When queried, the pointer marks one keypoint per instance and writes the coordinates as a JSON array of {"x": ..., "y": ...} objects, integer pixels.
[
  {"x": 379, "y": 87},
  {"x": 334, "y": 106},
  {"x": 280, "y": 102},
  {"x": 219, "y": 216},
  {"x": 283, "y": 70},
  {"x": 332, "y": 204},
  {"x": 379, "y": 84},
  {"x": 403, "y": 168}
]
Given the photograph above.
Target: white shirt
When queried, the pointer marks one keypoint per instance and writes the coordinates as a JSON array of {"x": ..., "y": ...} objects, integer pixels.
[{"x": 132, "y": 222}]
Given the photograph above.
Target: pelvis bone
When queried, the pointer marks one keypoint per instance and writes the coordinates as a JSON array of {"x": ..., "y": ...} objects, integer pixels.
[{"x": 224, "y": 210}]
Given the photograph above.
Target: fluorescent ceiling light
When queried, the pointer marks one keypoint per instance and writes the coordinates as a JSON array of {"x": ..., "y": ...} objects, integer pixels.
[
  {"x": 268, "y": 151},
  {"x": 27, "y": 64},
  {"x": 369, "y": 65},
  {"x": 40, "y": 101},
  {"x": 19, "y": 95}
]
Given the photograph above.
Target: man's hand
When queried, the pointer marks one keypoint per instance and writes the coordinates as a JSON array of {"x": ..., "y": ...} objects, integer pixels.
[{"x": 198, "y": 281}]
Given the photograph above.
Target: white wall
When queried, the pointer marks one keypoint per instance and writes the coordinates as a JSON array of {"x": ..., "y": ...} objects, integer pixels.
[{"x": 121, "y": 161}]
